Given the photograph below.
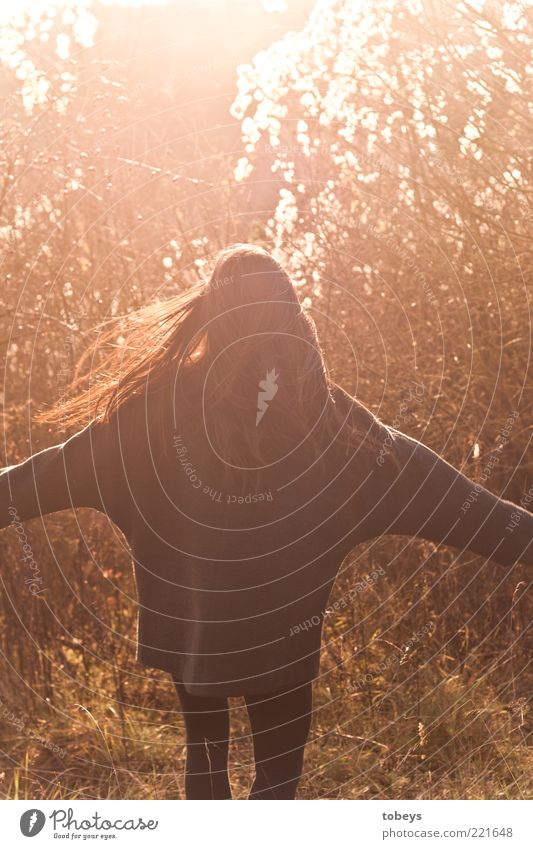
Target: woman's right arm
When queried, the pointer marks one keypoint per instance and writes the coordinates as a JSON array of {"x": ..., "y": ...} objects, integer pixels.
[
  {"x": 410, "y": 490},
  {"x": 418, "y": 493}
]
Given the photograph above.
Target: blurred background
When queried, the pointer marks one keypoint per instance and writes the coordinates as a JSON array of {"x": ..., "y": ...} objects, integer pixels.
[{"x": 382, "y": 149}]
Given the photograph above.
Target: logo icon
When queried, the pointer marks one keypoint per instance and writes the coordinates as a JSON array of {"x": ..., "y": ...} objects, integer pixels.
[
  {"x": 267, "y": 389},
  {"x": 32, "y": 822}
]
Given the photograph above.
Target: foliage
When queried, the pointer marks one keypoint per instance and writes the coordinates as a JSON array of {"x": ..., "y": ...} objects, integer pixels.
[{"x": 386, "y": 159}]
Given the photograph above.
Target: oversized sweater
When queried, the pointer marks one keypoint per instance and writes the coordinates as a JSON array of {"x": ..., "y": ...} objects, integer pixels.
[{"x": 226, "y": 579}]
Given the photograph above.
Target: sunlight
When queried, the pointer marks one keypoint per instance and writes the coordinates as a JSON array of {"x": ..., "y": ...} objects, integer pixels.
[
  {"x": 11, "y": 7},
  {"x": 320, "y": 214}
]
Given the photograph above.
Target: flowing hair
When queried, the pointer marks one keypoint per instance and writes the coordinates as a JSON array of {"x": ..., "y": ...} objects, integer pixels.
[{"x": 238, "y": 353}]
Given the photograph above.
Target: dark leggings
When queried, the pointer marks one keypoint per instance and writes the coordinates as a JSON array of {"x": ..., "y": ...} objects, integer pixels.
[{"x": 280, "y": 726}]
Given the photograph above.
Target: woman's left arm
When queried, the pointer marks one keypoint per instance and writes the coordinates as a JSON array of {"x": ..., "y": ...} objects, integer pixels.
[
  {"x": 83, "y": 471},
  {"x": 418, "y": 493}
]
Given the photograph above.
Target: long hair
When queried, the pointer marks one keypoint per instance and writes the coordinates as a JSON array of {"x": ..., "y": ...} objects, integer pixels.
[{"x": 238, "y": 352}]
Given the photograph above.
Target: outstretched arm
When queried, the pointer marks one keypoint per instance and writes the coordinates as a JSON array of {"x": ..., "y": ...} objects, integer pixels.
[
  {"x": 418, "y": 493},
  {"x": 83, "y": 471}
]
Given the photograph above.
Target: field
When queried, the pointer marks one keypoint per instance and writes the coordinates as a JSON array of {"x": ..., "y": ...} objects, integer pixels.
[{"x": 383, "y": 152}]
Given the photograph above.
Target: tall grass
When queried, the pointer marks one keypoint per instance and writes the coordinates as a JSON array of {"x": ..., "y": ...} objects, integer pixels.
[{"x": 113, "y": 194}]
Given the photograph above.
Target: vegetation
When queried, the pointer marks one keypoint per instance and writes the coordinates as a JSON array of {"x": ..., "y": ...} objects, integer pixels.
[{"x": 383, "y": 151}]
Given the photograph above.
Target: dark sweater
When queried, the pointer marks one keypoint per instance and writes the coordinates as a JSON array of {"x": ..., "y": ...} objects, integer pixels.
[{"x": 232, "y": 587}]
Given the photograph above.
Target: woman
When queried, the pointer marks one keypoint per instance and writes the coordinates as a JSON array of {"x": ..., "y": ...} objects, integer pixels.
[{"x": 242, "y": 476}]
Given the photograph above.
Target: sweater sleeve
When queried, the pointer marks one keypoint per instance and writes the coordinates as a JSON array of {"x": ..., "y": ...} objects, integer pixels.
[
  {"x": 83, "y": 471},
  {"x": 417, "y": 493}
]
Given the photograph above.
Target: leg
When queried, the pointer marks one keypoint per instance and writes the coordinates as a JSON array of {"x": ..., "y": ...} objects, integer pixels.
[
  {"x": 207, "y": 730},
  {"x": 280, "y": 727}
]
